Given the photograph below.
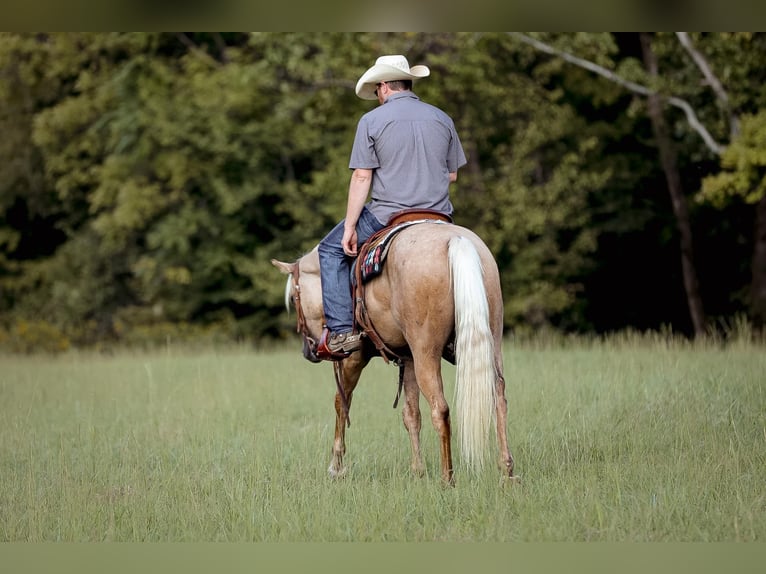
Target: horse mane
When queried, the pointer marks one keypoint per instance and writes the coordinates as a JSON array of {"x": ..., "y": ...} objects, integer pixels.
[{"x": 288, "y": 285}]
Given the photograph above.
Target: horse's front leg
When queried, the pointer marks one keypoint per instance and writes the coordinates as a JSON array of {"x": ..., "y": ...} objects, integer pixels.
[
  {"x": 411, "y": 416},
  {"x": 350, "y": 369}
]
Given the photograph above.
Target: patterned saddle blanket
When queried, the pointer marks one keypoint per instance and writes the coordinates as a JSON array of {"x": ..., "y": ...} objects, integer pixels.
[{"x": 374, "y": 253}]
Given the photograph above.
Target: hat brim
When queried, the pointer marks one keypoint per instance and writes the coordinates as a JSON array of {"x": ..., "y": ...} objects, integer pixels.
[{"x": 366, "y": 86}]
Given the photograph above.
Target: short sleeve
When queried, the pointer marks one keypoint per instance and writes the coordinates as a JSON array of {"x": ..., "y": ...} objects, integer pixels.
[
  {"x": 363, "y": 154},
  {"x": 455, "y": 155}
]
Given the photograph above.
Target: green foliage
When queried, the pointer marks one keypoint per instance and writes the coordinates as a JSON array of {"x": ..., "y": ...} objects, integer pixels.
[
  {"x": 173, "y": 162},
  {"x": 33, "y": 337},
  {"x": 743, "y": 166},
  {"x": 532, "y": 171}
]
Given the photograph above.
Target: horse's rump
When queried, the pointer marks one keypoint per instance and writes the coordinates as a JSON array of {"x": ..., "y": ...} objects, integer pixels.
[{"x": 415, "y": 289}]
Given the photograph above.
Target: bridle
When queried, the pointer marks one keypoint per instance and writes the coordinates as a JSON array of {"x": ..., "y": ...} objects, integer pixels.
[
  {"x": 301, "y": 325},
  {"x": 311, "y": 344}
]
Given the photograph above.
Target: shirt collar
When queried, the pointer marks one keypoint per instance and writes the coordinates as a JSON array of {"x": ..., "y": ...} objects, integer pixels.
[{"x": 400, "y": 95}]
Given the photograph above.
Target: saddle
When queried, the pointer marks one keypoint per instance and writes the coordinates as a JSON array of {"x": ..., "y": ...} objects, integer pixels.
[{"x": 369, "y": 264}]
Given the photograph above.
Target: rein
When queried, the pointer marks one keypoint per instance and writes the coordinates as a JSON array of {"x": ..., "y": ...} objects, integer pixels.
[{"x": 301, "y": 326}]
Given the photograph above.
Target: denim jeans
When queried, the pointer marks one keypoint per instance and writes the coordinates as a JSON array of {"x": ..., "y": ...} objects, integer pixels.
[{"x": 335, "y": 269}]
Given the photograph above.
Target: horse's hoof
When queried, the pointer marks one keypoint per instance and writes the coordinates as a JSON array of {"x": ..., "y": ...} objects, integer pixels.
[
  {"x": 336, "y": 473},
  {"x": 510, "y": 481}
]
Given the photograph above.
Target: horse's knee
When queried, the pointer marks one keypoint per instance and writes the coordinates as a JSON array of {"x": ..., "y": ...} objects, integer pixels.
[
  {"x": 440, "y": 417},
  {"x": 411, "y": 416}
]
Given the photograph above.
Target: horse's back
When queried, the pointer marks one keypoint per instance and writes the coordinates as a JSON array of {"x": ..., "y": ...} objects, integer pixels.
[{"x": 422, "y": 251}]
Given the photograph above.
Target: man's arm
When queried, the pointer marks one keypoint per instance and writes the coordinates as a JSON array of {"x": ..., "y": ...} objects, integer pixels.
[
  {"x": 358, "y": 189},
  {"x": 452, "y": 176}
]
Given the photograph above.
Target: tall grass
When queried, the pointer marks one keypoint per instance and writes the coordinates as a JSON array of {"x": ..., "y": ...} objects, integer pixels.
[{"x": 631, "y": 439}]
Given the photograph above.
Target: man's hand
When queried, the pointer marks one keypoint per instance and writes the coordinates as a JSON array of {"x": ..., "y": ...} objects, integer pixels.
[{"x": 349, "y": 241}]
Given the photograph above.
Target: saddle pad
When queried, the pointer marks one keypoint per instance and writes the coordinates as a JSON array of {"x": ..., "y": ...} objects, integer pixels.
[{"x": 372, "y": 263}]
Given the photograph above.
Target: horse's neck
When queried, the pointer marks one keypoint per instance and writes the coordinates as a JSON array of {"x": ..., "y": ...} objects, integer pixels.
[{"x": 310, "y": 262}]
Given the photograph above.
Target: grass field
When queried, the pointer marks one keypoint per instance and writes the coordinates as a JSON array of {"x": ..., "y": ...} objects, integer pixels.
[{"x": 633, "y": 439}]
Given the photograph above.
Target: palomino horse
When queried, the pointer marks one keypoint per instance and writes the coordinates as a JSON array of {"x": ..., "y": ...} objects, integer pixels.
[{"x": 437, "y": 295}]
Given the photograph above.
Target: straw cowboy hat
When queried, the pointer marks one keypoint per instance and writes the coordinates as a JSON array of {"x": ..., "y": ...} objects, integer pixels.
[{"x": 387, "y": 69}]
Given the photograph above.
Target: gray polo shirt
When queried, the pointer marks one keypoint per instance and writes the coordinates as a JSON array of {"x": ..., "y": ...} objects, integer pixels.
[{"x": 411, "y": 147}]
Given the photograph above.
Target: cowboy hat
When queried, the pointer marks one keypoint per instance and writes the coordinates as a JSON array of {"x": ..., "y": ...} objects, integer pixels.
[{"x": 387, "y": 69}]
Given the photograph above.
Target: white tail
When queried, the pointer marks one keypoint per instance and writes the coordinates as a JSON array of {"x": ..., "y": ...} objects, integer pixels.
[{"x": 474, "y": 353}]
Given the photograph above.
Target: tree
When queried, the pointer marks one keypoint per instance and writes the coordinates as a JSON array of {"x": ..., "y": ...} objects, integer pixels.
[
  {"x": 744, "y": 175},
  {"x": 176, "y": 160},
  {"x": 685, "y": 81},
  {"x": 669, "y": 162}
]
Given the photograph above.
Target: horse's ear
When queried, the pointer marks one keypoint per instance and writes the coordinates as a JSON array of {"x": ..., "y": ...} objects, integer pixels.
[{"x": 285, "y": 268}]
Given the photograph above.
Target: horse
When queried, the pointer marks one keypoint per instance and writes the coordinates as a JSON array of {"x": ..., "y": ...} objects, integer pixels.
[{"x": 437, "y": 296}]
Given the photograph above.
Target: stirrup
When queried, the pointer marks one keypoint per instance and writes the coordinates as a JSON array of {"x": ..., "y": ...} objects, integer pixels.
[{"x": 324, "y": 353}]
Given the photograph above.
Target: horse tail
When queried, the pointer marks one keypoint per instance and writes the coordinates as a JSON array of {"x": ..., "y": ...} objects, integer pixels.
[{"x": 474, "y": 352}]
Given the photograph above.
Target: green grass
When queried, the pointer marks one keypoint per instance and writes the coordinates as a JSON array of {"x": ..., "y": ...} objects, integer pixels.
[{"x": 634, "y": 439}]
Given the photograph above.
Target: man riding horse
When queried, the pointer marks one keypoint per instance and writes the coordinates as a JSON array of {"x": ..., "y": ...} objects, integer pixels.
[
  {"x": 405, "y": 155},
  {"x": 437, "y": 296}
]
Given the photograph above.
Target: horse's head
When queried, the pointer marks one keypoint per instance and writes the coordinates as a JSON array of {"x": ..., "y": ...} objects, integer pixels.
[{"x": 304, "y": 290}]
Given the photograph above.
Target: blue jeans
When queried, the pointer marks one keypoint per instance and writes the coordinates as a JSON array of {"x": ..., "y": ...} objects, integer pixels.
[{"x": 335, "y": 269}]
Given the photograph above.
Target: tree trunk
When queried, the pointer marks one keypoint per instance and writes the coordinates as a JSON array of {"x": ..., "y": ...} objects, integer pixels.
[
  {"x": 668, "y": 160},
  {"x": 758, "y": 267}
]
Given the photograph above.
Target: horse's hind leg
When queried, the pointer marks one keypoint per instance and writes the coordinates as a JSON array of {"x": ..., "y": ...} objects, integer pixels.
[
  {"x": 411, "y": 416},
  {"x": 351, "y": 369},
  {"x": 428, "y": 374},
  {"x": 501, "y": 411}
]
